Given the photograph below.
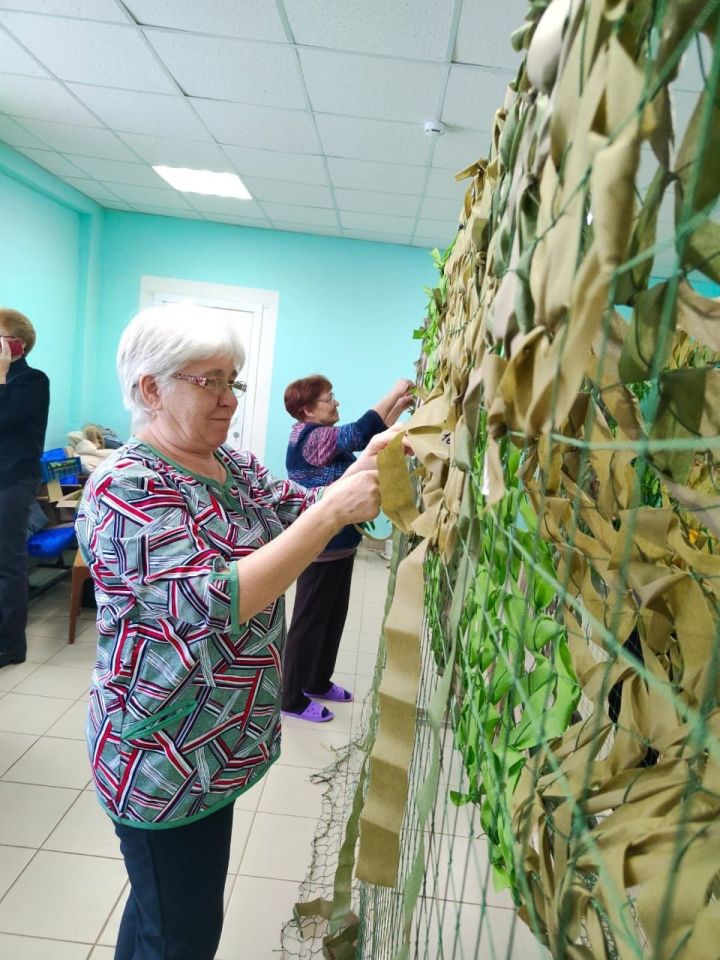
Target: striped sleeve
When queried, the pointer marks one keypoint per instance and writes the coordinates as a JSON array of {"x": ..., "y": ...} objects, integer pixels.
[{"x": 324, "y": 444}]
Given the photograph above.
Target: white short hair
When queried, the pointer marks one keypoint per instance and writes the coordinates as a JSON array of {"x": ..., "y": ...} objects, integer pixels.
[{"x": 160, "y": 341}]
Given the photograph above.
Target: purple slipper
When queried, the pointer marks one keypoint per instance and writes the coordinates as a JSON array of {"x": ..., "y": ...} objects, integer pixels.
[
  {"x": 314, "y": 712},
  {"x": 336, "y": 692}
]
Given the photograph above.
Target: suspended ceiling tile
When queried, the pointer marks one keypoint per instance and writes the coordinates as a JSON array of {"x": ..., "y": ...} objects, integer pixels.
[
  {"x": 149, "y": 195},
  {"x": 16, "y": 136},
  {"x": 116, "y": 205},
  {"x": 196, "y": 154},
  {"x": 42, "y": 100},
  {"x": 90, "y": 9},
  {"x": 83, "y": 141},
  {"x": 300, "y": 167},
  {"x": 377, "y": 237},
  {"x": 379, "y": 140},
  {"x": 443, "y": 231},
  {"x": 267, "y": 128},
  {"x": 384, "y": 89},
  {"x": 107, "y": 54},
  {"x": 307, "y": 228},
  {"x": 368, "y": 201},
  {"x": 53, "y": 162},
  {"x": 219, "y": 68},
  {"x": 376, "y": 223},
  {"x": 237, "y": 221},
  {"x": 418, "y": 30},
  {"x": 228, "y": 206},
  {"x": 484, "y": 34},
  {"x": 154, "y": 114},
  {"x": 473, "y": 95},
  {"x": 93, "y": 189},
  {"x": 16, "y": 60},
  {"x": 249, "y": 19},
  {"x": 300, "y": 194},
  {"x": 169, "y": 212},
  {"x": 382, "y": 177},
  {"x": 442, "y": 183},
  {"x": 287, "y": 213},
  {"x": 457, "y": 149},
  {"x": 427, "y": 243},
  {"x": 114, "y": 171},
  {"x": 437, "y": 208}
]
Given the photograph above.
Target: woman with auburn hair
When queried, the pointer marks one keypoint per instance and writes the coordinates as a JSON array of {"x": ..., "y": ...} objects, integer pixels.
[
  {"x": 318, "y": 453},
  {"x": 24, "y": 404}
]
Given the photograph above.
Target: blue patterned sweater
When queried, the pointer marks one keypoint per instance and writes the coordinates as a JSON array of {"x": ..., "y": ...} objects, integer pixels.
[{"x": 317, "y": 455}]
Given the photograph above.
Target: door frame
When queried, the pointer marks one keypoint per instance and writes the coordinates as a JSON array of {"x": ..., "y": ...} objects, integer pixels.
[{"x": 262, "y": 303}]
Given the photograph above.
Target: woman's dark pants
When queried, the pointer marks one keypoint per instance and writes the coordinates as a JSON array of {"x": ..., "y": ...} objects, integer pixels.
[
  {"x": 15, "y": 504},
  {"x": 321, "y": 603},
  {"x": 177, "y": 880}
]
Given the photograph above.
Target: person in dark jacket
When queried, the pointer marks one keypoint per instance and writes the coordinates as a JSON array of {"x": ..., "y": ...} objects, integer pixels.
[
  {"x": 318, "y": 453},
  {"x": 24, "y": 403}
]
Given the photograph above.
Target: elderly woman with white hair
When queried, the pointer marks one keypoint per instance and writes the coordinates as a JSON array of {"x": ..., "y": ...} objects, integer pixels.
[{"x": 191, "y": 546}]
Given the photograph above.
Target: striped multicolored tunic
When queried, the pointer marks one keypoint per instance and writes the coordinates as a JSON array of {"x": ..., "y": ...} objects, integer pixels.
[{"x": 184, "y": 704}]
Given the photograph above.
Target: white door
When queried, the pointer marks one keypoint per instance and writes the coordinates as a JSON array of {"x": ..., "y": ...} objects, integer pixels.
[{"x": 254, "y": 314}]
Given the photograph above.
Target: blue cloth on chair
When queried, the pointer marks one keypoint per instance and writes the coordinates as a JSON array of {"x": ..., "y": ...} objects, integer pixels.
[{"x": 52, "y": 542}]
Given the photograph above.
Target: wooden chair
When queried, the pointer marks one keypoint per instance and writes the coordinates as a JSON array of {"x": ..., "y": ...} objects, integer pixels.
[{"x": 80, "y": 574}]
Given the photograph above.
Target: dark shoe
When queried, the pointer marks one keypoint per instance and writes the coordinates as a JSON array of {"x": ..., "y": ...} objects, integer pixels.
[{"x": 7, "y": 658}]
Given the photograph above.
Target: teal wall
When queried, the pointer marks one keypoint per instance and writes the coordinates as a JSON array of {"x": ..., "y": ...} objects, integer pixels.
[
  {"x": 49, "y": 245},
  {"x": 347, "y": 308}
]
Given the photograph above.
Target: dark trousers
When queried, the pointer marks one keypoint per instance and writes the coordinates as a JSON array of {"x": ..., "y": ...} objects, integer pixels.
[
  {"x": 321, "y": 602},
  {"x": 177, "y": 879},
  {"x": 15, "y": 503}
]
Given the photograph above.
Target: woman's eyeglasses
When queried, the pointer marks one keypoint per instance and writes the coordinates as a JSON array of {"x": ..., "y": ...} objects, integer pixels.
[
  {"x": 330, "y": 398},
  {"x": 215, "y": 385}
]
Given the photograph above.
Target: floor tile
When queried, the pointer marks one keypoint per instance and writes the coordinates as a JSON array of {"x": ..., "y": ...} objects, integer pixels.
[
  {"x": 31, "y": 812},
  {"x": 62, "y": 896},
  {"x": 257, "y": 910},
  {"x": 346, "y": 660},
  {"x": 366, "y": 663},
  {"x": 467, "y": 930},
  {"x": 242, "y": 823},
  {"x": 85, "y": 829},
  {"x": 71, "y": 724},
  {"x": 108, "y": 937},
  {"x": 369, "y": 642},
  {"x": 54, "y": 763},
  {"x": 288, "y": 790},
  {"x": 459, "y": 869},
  {"x": 33, "y": 948},
  {"x": 250, "y": 799},
  {"x": 311, "y": 747},
  {"x": 13, "y": 861},
  {"x": 21, "y": 713},
  {"x": 81, "y": 655},
  {"x": 40, "y": 649},
  {"x": 49, "y": 681},
  {"x": 278, "y": 847},
  {"x": 12, "y": 747},
  {"x": 15, "y": 673},
  {"x": 51, "y": 626},
  {"x": 102, "y": 953}
]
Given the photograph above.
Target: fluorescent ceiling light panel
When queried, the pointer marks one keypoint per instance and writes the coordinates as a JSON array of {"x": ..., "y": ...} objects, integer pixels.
[{"x": 204, "y": 181}]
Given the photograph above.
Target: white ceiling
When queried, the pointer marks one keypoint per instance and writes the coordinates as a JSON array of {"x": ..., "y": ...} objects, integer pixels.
[{"x": 319, "y": 105}]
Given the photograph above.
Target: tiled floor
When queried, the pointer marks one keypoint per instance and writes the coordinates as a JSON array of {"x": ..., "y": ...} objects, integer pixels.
[{"x": 62, "y": 881}]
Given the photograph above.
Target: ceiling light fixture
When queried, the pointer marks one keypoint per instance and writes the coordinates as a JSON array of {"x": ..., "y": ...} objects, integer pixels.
[{"x": 204, "y": 181}]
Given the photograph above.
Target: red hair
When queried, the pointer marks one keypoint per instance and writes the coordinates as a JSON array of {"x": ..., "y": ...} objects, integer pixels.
[{"x": 305, "y": 393}]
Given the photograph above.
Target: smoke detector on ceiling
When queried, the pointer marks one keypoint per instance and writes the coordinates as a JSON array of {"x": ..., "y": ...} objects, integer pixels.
[{"x": 434, "y": 128}]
